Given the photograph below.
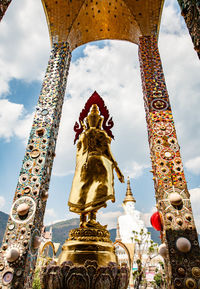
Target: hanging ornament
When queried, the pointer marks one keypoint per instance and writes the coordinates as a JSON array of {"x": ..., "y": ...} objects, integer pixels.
[{"x": 156, "y": 221}]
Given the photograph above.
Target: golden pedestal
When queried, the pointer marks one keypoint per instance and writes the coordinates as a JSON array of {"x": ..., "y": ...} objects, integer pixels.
[
  {"x": 88, "y": 244},
  {"x": 87, "y": 260}
]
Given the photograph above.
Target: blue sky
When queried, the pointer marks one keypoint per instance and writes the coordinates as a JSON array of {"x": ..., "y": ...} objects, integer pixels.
[{"x": 111, "y": 68}]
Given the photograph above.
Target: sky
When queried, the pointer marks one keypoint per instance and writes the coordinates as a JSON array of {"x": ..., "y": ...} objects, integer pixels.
[{"x": 112, "y": 69}]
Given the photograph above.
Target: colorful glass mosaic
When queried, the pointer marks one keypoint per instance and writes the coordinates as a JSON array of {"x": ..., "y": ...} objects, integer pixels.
[
  {"x": 190, "y": 10},
  {"x": 173, "y": 199},
  {"x": 22, "y": 237},
  {"x": 3, "y": 7}
]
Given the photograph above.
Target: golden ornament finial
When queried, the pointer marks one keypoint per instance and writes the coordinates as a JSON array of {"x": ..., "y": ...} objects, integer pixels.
[{"x": 129, "y": 196}]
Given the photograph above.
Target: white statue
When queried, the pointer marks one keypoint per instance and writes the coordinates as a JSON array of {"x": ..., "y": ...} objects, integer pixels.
[{"x": 131, "y": 221}]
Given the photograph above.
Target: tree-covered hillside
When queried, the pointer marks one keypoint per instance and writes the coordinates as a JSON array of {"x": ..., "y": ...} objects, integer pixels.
[{"x": 3, "y": 222}]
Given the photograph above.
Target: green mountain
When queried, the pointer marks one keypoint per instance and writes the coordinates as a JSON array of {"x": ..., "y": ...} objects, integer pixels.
[
  {"x": 60, "y": 230},
  {"x": 3, "y": 223},
  {"x": 155, "y": 235},
  {"x": 112, "y": 234}
]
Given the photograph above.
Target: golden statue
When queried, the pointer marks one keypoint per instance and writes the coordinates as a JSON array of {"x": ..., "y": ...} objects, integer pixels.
[{"x": 93, "y": 180}]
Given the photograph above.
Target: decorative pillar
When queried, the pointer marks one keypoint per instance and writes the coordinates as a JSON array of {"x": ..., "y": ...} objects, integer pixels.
[
  {"x": 3, "y": 7},
  {"x": 190, "y": 10},
  {"x": 22, "y": 237},
  {"x": 173, "y": 199}
]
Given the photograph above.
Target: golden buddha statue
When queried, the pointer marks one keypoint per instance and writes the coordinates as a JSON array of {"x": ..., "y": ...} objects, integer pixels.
[
  {"x": 93, "y": 182},
  {"x": 88, "y": 258}
]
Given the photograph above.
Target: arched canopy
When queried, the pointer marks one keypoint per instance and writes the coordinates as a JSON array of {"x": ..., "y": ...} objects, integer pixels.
[
  {"x": 129, "y": 249},
  {"x": 81, "y": 21},
  {"x": 45, "y": 245}
]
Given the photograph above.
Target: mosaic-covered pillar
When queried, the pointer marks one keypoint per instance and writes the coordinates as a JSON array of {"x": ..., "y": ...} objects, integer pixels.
[
  {"x": 21, "y": 240},
  {"x": 173, "y": 199},
  {"x": 3, "y": 7},
  {"x": 190, "y": 10}
]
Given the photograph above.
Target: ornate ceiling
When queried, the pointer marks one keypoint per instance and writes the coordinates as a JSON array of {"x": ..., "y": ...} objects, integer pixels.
[{"x": 82, "y": 21}]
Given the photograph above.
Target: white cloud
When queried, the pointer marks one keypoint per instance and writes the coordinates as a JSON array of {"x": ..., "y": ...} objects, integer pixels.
[
  {"x": 135, "y": 170},
  {"x": 171, "y": 22},
  {"x": 55, "y": 222},
  {"x": 9, "y": 113},
  {"x": 14, "y": 120},
  {"x": 24, "y": 43},
  {"x": 147, "y": 216},
  {"x": 50, "y": 218},
  {"x": 50, "y": 212},
  {"x": 23, "y": 127},
  {"x": 2, "y": 202},
  {"x": 195, "y": 201},
  {"x": 193, "y": 165},
  {"x": 24, "y": 52},
  {"x": 109, "y": 218}
]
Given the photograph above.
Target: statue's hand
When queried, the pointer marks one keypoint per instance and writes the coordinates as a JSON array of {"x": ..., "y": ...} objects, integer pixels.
[
  {"x": 119, "y": 174},
  {"x": 121, "y": 178}
]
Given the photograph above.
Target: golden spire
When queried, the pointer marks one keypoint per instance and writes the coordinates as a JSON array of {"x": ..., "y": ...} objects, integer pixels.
[{"x": 129, "y": 196}]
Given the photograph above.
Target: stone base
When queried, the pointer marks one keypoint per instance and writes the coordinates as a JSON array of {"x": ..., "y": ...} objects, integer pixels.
[{"x": 88, "y": 276}]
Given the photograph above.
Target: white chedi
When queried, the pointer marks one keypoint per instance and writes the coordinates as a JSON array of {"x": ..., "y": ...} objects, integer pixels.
[{"x": 131, "y": 221}]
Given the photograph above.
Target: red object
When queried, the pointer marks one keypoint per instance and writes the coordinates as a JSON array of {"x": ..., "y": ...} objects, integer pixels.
[
  {"x": 95, "y": 98},
  {"x": 156, "y": 221}
]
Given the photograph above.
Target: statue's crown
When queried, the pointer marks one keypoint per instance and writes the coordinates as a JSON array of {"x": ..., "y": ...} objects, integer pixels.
[{"x": 96, "y": 114}]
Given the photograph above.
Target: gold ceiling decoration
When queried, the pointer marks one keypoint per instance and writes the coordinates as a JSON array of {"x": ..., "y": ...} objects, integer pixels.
[{"x": 82, "y": 21}]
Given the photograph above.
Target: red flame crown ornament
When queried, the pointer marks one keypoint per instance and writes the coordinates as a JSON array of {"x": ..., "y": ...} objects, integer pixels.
[
  {"x": 156, "y": 221},
  {"x": 108, "y": 123}
]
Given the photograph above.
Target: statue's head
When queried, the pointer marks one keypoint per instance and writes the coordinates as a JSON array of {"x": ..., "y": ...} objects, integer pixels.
[
  {"x": 94, "y": 118},
  {"x": 129, "y": 208}
]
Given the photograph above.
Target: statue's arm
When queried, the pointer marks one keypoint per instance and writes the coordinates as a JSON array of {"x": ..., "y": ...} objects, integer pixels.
[{"x": 117, "y": 169}]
